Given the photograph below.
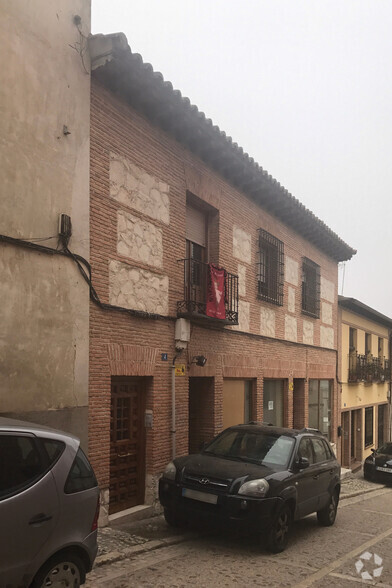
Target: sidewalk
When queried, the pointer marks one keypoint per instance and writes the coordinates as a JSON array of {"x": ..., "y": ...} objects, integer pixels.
[{"x": 126, "y": 538}]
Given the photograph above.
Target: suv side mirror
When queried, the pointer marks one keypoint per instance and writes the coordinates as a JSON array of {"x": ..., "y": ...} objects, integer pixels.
[{"x": 303, "y": 463}]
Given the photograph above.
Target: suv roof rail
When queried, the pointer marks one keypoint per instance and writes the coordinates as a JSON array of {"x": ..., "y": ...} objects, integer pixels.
[
  {"x": 311, "y": 430},
  {"x": 261, "y": 423}
]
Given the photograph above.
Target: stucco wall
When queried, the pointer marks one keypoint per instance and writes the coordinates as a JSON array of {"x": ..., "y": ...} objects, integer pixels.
[{"x": 44, "y": 311}]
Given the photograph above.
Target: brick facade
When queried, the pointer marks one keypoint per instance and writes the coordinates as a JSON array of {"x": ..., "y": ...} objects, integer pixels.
[{"x": 132, "y": 346}]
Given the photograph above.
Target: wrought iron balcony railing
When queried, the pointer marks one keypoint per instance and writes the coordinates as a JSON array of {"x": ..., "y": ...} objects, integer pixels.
[
  {"x": 366, "y": 368},
  {"x": 204, "y": 299}
]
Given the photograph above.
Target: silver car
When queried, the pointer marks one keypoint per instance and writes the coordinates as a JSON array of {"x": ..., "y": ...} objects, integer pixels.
[{"x": 49, "y": 507}]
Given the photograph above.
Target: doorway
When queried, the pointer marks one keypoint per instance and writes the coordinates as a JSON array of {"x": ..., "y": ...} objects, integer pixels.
[
  {"x": 237, "y": 402},
  {"x": 127, "y": 444},
  {"x": 201, "y": 412},
  {"x": 273, "y": 401}
]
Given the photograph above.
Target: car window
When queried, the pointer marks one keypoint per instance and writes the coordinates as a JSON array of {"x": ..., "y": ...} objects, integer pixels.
[
  {"x": 305, "y": 449},
  {"x": 54, "y": 449},
  {"x": 81, "y": 475},
  {"x": 20, "y": 464},
  {"x": 320, "y": 451},
  {"x": 250, "y": 446}
]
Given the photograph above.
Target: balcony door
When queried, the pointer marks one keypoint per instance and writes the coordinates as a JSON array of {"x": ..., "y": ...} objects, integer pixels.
[{"x": 196, "y": 255}]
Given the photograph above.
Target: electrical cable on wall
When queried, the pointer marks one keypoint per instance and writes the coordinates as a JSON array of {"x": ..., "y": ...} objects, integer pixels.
[{"x": 84, "y": 268}]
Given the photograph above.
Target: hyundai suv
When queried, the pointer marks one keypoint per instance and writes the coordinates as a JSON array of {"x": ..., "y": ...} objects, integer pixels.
[
  {"x": 257, "y": 476},
  {"x": 49, "y": 505}
]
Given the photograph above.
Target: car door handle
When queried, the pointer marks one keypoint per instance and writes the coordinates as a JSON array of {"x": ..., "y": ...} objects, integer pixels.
[
  {"x": 40, "y": 518},
  {"x": 316, "y": 477}
]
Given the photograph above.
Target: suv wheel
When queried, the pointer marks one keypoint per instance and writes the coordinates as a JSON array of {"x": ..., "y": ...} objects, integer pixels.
[
  {"x": 326, "y": 517},
  {"x": 279, "y": 532},
  {"x": 64, "y": 569}
]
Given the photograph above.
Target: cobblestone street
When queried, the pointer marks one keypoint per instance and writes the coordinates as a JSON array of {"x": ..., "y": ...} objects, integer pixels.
[{"x": 148, "y": 553}]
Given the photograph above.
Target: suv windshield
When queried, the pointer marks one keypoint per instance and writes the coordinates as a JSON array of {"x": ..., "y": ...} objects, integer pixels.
[{"x": 261, "y": 448}]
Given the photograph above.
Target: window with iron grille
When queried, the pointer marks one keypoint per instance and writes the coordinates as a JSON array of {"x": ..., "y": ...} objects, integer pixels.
[
  {"x": 310, "y": 288},
  {"x": 270, "y": 268}
]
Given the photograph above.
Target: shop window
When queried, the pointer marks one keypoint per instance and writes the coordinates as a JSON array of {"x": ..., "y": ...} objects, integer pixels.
[{"x": 320, "y": 405}]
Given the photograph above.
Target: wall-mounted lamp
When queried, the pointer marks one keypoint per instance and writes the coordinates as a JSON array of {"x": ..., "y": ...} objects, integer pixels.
[{"x": 199, "y": 360}]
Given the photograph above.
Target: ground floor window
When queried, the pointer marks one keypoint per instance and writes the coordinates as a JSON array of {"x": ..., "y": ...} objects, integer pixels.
[
  {"x": 237, "y": 402},
  {"x": 320, "y": 405},
  {"x": 273, "y": 398},
  {"x": 368, "y": 426}
]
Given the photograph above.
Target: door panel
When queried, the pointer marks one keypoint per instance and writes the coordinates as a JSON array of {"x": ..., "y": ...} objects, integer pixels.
[{"x": 127, "y": 447}]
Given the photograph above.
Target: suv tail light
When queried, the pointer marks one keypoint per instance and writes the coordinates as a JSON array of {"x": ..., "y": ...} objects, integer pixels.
[{"x": 94, "y": 526}]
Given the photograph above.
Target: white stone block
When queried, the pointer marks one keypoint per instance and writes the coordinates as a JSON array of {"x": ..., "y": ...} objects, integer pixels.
[
  {"x": 267, "y": 322},
  {"x": 241, "y": 280},
  {"x": 134, "y": 187},
  {"x": 307, "y": 332},
  {"x": 242, "y": 248},
  {"x": 243, "y": 317},
  {"x": 291, "y": 300},
  {"x": 139, "y": 240},
  {"x": 290, "y": 328},
  {"x": 326, "y": 313},
  {"x": 291, "y": 271},
  {"x": 139, "y": 289},
  {"x": 326, "y": 337},
  {"x": 327, "y": 290}
]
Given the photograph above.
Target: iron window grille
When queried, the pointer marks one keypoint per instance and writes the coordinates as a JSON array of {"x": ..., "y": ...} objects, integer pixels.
[
  {"x": 310, "y": 288},
  {"x": 270, "y": 268},
  {"x": 368, "y": 426}
]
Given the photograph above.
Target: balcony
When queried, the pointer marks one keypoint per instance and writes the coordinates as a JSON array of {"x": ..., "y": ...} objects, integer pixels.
[
  {"x": 210, "y": 293},
  {"x": 366, "y": 368}
]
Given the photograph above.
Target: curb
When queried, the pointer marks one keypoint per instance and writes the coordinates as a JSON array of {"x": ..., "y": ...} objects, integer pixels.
[
  {"x": 114, "y": 556},
  {"x": 359, "y": 492}
]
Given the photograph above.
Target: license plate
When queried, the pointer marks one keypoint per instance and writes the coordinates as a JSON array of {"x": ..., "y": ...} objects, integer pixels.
[
  {"x": 202, "y": 496},
  {"x": 380, "y": 469}
]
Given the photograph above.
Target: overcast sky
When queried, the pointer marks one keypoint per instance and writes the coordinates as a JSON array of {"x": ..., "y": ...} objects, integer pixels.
[{"x": 304, "y": 86}]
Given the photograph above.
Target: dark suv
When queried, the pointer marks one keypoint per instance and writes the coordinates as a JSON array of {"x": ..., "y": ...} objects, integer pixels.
[{"x": 259, "y": 476}]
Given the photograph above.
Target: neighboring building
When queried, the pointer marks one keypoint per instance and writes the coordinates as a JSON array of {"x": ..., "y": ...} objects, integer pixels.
[
  {"x": 365, "y": 377},
  {"x": 173, "y": 199},
  {"x": 44, "y": 168}
]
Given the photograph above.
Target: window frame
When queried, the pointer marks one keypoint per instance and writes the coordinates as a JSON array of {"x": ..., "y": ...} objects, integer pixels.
[
  {"x": 270, "y": 268},
  {"x": 310, "y": 304}
]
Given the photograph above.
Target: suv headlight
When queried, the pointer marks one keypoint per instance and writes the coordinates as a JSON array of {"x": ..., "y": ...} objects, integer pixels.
[
  {"x": 256, "y": 488},
  {"x": 170, "y": 471}
]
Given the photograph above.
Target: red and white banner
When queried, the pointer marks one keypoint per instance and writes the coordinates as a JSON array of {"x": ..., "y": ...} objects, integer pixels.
[{"x": 216, "y": 291}]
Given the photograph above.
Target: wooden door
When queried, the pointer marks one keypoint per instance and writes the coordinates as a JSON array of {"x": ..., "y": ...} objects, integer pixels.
[{"x": 127, "y": 446}]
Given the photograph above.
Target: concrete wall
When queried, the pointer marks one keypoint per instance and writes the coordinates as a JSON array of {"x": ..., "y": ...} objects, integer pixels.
[{"x": 45, "y": 85}]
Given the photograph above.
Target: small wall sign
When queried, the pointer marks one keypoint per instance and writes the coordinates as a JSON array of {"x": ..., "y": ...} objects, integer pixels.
[
  {"x": 180, "y": 369},
  {"x": 270, "y": 405},
  {"x": 163, "y": 356}
]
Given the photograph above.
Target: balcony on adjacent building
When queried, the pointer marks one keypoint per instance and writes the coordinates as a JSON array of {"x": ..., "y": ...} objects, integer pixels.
[
  {"x": 366, "y": 368},
  {"x": 210, "y": 293}
]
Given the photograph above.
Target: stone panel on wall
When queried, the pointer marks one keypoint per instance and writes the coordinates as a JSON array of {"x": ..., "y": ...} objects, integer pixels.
[
  {"x": 241, "y": 280},
  {"x": 134, "y": 187},
  {"x": 242, "y": 245},
  {"x": 326, "y": 313},
  {"x": 139, "y": 240},
  {"x": 243, "y": 317},
  {"x": 290, "y": 328},
  {"x": 291, "y": 271},
  {"x": 327, "y": 290},
  {"x": 307, "y": 332},
  {"x": 326, "y": 337},
  {"x": 291, "y": 300},
  {"x": 267, "y": 322},
  {"x": 132, "y": 287}
]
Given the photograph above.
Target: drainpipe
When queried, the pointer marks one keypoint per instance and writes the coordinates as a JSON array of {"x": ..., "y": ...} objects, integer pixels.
[{"x": 173, "y": 397}]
